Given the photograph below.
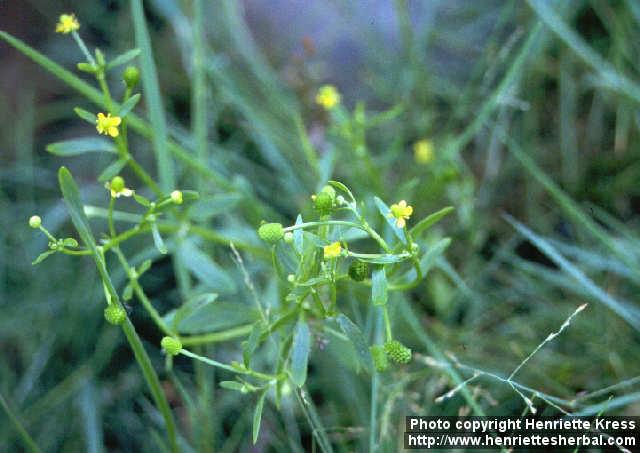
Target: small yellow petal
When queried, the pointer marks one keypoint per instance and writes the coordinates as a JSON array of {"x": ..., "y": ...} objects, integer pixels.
[{"x": 113, "y": 131}]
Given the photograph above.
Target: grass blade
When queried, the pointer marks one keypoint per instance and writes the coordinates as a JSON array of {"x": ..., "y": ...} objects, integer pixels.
[
  {"x": 611, "y": 78},
  {"x": 152, "y": 96},
  {"x": 26, "y": 438},
  {"x": 569, "y": 206},
  {"x": 629, "y": 314}
]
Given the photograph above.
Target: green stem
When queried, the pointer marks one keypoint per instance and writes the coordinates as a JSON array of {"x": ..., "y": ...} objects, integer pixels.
[
  {"x": 137, "y": 289},
  {"x": 26, "y": 438},
  {"x": 387, "y": 323},
  {"x": 152, "y": 381},
  {"x": 83, "y": 48},
  {"x": 215, "y": 337},
  {"x": 256, "y": 374},
  {"x": 324, "y": 222}
]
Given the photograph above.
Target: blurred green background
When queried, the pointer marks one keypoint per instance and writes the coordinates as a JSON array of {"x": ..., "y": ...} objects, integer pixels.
[{"x": 532, "y": 111}]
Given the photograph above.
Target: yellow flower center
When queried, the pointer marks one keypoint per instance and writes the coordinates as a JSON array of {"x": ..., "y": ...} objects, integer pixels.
[
  {"x": 67, "y": 23},
  {"x": 423, "y": 152},
  {"x": 332, "y": 250},
  {"x": 328, "y": 97},
  {"x": 401, "y": 212},
  {"x": 108, "y": 125}
]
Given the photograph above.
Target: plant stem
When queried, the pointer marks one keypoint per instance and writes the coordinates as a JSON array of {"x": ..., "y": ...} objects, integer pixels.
[
  {"x": 152, "y": 381},
  {"x": 26, "y": 438},
  {"x": 133, "y": 281}
]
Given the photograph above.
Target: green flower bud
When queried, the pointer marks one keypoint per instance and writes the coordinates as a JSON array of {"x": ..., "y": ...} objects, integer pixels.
[
  {"x": 397, "y": 352},
  {"x": 35, "y": 221},
  {"x": 323, "y": 203},
  {"x": 288, "y": 237},
  {"x": 117, "y": 184},
  {"x": 271, "y": 232},
  {"x": 176, "y": 197},
  {"x": 86, "y": 67},
  {"x": 115, "y": 314},
  {"x": 359, "y": 270},
  {"x": 131, "y": 76},
  {"x": 329, "y": 191},
  {"x": 171, "y": 345},
  {"x": 379, "y": 357}
]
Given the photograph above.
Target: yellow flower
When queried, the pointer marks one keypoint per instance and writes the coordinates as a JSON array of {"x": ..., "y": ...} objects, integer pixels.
[
  {"x": 332, "y": 250},
  {"x": 423, "y": 151},
  {"x": 328, "y": 97},
  {"x": 67, "y": 23},
  {"x": 401, "y": 212},
  {"x": 108, "y": 125},
  {"x": 117, "y": 188}
]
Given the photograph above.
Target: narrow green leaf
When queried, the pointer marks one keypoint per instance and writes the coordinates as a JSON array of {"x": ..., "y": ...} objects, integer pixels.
[
  {"x": 354, "y": 334},
  {"x": 232, "y": 385},
  {"x": 381, "y": 259},
  {"x": 144, "y": 201},
  {"x": 211, "y": 206},
  {"x": 123, "y": 58},
  {"x": 151, "y": 89},
  {"x": 298, "y": 240},
  {"x": 379, "y": 290},
  {"x": 83, "y": 145},
  {"x": 429, "y": 221},
  {"x": 127, "y": 294},
  {"x": 87, "y": 116},
  {"x": 342, "y": 187},
  {"x": 43, "y": 256},
  {"x": 300, "y": 353},
  {"x": 205, "y": 269},
  {"x": 252, "y": 342},
  {"x": 144, "y": 267},
  {"x": 112, "y": 170},
  {"x": 157, "y": 239},
  {"x": 625, "y": 310},
  {"x": 72, "y": 199},
  {"x": 607, "y": 72},
  {"x": 257, "y": 416},
  {"x": 70, "y": 242},
  {"x": 215, "y": 316},
  {"x": 128, "y": 105}
]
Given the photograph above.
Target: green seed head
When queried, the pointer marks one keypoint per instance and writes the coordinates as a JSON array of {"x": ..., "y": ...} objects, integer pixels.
[
  {"x": 171, "y": 345},
  {"x": 117, "y": 184},
  {"x": 379, "y": 358},
  {"x": 35, "y": 221},
  {"x": 271, "y": 232},
  {"x": 115, "y": 314},
  {"x": 359, "y": 270},
  {"x": 397, "y": 352},
  {"x": 324, "y": 203},
  {"x": 131, "y": 76}
]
